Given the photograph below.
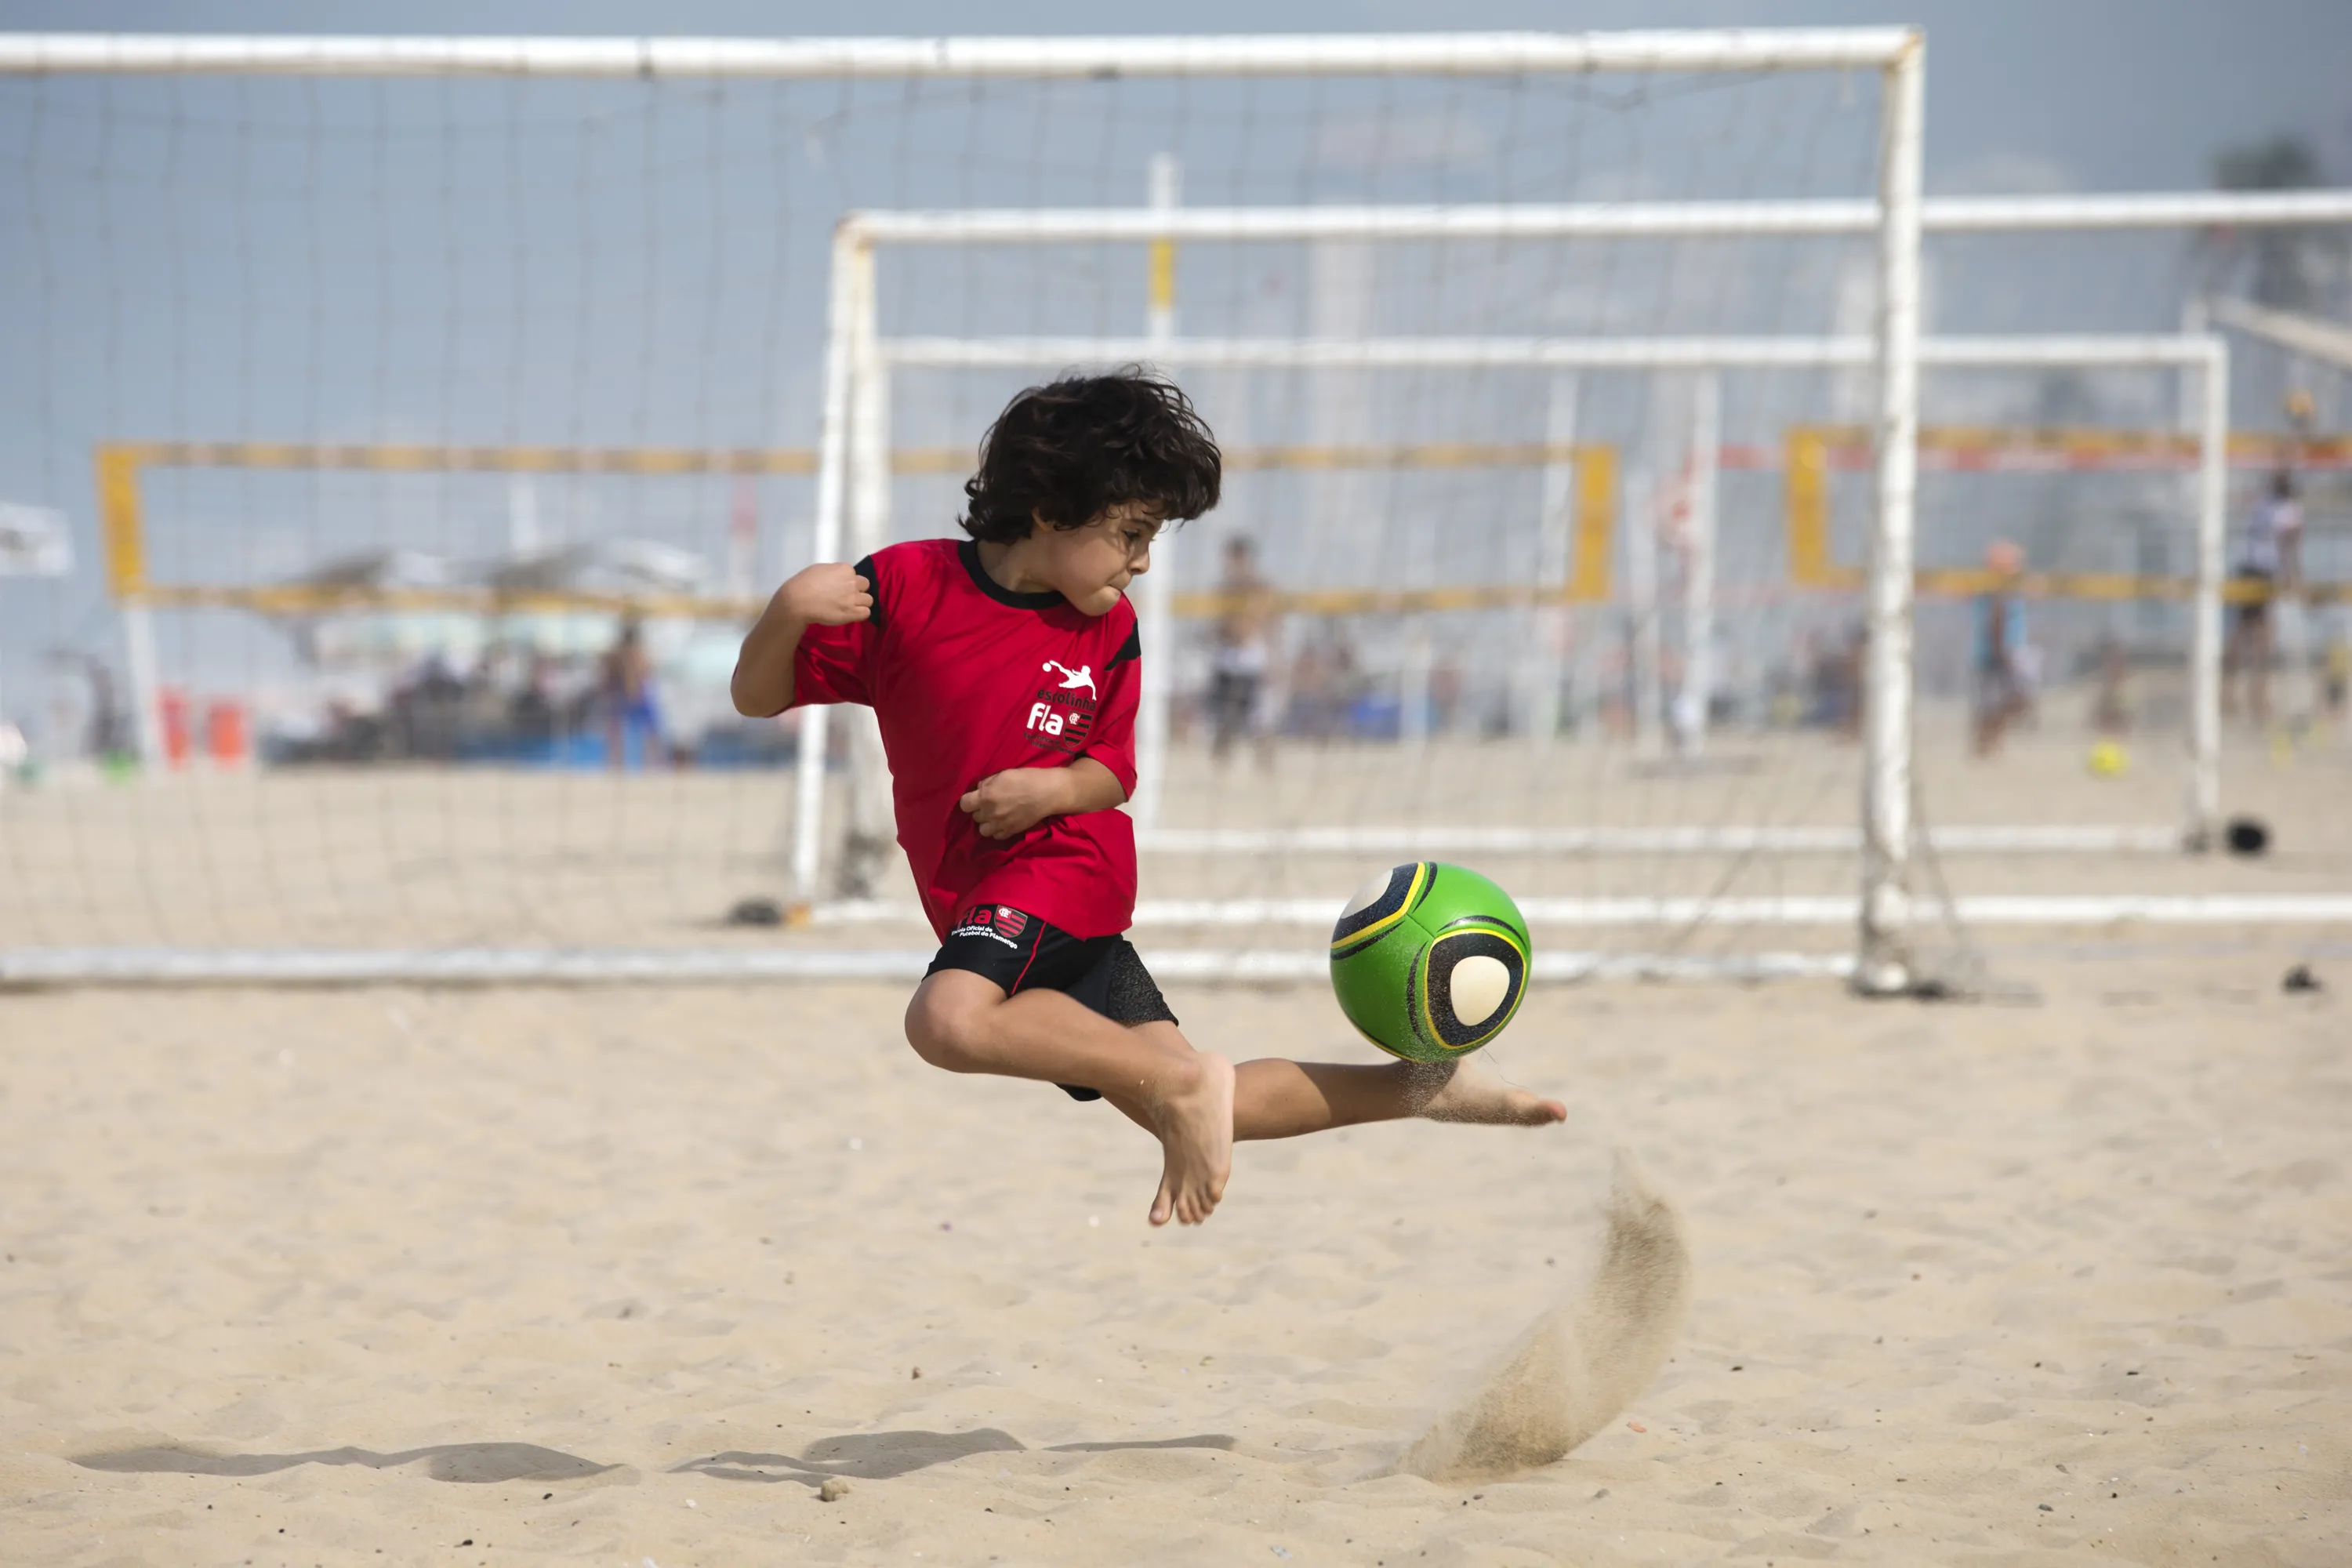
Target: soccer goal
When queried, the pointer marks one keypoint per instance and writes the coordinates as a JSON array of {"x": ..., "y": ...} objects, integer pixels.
[
  {"x": 2117, "y": 494},
  {"x": 1245, "y": 826},
  {"x": 431, "y": 413}
]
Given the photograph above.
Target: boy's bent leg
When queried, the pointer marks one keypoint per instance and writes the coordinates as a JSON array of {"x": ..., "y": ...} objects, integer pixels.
[{"x": 965, "y": 1023}]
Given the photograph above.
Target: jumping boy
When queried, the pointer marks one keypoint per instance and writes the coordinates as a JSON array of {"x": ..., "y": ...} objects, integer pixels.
[{"x": 1004, "y": 671}]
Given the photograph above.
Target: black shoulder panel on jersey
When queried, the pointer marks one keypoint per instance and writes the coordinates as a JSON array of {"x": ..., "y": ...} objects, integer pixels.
[
  {"x": 1131, "y": 648},
  {"x": 873, "y": 585}
]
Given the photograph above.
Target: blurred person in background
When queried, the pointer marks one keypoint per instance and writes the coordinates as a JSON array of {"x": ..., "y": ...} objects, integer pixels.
[
  {"x": 1247, "y": 615},
  {"x": 2111, "y": 708},
  {"x": 2337, "y": 677},
  {"x": 628, "y": 693},
  {"x": 2270, "y": 562},
  {"x": 2004, "y": 684}
]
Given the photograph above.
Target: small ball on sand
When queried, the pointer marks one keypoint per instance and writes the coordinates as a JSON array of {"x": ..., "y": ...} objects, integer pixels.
[{"x": 833, "y": 1491}]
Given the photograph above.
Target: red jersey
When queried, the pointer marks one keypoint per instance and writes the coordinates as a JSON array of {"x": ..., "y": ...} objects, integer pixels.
[{"x": 969, "y": 679}]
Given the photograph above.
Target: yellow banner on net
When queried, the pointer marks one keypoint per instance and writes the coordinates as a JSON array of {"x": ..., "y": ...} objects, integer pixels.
[
  {"x": 121, "y": 464},
  {"x": 1811, "y": 452},
  {"x": 1811, "y": 455}
]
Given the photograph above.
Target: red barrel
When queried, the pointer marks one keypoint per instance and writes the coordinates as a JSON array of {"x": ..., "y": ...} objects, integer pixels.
[
  {"x": 227, "y": 736},
  {"x": 171, "y": 713}
]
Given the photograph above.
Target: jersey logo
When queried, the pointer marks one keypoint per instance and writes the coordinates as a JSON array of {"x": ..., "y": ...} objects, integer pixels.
[
  {"x": 1074, "y": 678},
  {"x": 1010, "y": 922},
  {"x": 1063, "y": 715}
]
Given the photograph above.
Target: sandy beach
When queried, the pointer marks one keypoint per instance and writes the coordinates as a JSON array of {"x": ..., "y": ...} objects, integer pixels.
[
  {"x": 387, "y": 1276},
  {"x": 426, "y": 858}
]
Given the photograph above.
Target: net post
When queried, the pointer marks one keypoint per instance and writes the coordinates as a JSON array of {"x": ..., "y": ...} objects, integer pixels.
[
  {"x": 1696, "y": 699},
  {"x": 126, "y": 570},
  {"x": 849, "y": 300},
  {"x": 1155, "y": 611},
  {"x": 139, "y": 651},
  {"x": 1555, "y": 555},
  {"x": 870, "y": 833},
  {"x": 1594, "y": 581},
  {"x": 1641, "y": 588},
  {"x": 2205, "y": 627},
  {"x": 1882, "y": 960}
]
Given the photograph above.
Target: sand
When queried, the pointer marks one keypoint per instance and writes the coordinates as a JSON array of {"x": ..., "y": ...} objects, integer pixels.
[{"x": 385, "y": 1276}]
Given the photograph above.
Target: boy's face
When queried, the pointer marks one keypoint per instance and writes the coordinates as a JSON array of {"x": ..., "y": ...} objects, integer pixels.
[{"x": 1091, "y": 566}]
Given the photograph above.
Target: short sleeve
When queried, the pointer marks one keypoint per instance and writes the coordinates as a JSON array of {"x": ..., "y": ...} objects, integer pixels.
[
  {"x": 1112, "y": 743},
  {"x": 836, "y": 664}
]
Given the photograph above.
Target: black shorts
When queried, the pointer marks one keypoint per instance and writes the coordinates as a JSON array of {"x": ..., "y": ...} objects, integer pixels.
[{"x": 1021, "y": 953}]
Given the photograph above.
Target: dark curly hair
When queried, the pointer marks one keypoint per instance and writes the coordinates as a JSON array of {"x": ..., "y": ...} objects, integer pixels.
[{"x": 1070, "y": 450}]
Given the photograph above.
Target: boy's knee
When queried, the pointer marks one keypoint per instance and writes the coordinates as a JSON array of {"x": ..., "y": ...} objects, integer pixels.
[{"x": 944, "y": 1027}]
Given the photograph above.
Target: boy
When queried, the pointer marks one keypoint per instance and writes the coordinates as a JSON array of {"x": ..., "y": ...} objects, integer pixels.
[{"x": 1004, "y": 671}]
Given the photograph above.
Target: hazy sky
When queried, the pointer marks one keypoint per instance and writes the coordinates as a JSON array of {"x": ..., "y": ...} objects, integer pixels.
[
  {"x": 2095, "y": 94},
  {"x": 2086, "y": 95}
]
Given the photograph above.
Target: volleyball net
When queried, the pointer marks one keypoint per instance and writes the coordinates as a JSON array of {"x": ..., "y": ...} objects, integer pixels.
[{"x": 433, "y": 414}]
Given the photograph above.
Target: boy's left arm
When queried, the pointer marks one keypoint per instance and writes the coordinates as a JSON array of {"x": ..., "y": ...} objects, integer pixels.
[{"x": 1009, "y": 804}]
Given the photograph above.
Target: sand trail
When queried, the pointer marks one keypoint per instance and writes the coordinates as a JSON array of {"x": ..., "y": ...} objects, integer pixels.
[{"x": 1584, "y": 1360}]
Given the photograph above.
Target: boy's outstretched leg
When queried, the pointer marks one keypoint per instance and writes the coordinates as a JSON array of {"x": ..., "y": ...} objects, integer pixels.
[
  {"x": 965, "y": 1023},
  {"x": 1277, "y": 1098}
]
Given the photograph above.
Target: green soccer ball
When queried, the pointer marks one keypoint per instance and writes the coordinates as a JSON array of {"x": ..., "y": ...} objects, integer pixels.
[{"x": 1430, "y": 961}]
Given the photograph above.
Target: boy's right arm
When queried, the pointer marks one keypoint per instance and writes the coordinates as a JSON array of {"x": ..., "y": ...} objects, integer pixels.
[{"x": 829, "y": 593}]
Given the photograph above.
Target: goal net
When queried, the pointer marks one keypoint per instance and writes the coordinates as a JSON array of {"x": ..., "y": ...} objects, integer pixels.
[{"x": 432, "y": 417}]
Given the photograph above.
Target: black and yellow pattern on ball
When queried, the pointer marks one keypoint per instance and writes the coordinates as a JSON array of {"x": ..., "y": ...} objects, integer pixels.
[
  {"x": 1408, "y": 885},
  {"x": 1434, "y": 990}
]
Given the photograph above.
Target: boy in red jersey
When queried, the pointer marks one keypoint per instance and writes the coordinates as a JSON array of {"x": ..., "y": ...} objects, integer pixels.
[{"x": 1003, "y": 669}]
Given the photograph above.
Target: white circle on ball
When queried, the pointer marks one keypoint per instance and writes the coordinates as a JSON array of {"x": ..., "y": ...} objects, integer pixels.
[
  {"x": 1478, "y": 986},
  {"x": 1367, "y": 894}
]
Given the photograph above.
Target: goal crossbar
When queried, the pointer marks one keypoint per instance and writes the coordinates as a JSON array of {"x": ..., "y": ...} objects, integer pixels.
[
  {"x": 1595, "y": 220},
  {"x": 1787, "y": 353},
  {"x": 1429, "y": 54}
]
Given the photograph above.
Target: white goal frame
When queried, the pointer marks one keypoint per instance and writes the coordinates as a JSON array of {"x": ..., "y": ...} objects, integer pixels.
[
  {"x": 1898, "y": 54},
  {"x": 853, "y": 476},
  {"x": 872, "y": 358},
  {"x": 1897, "y": 215},
  {"x": 855, "y": 447}
]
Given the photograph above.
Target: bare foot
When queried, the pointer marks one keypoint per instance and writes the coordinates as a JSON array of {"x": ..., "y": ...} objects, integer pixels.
[
  {"x": 1194, "y": 1119},
  {"x": 1466, "y": 1093}
]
